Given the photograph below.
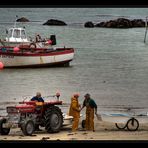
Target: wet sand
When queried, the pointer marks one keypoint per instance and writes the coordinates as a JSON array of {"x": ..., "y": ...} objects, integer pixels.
[{"x": 103, "y": 131}]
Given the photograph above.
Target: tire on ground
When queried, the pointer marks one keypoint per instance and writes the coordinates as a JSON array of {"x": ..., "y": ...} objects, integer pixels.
[
  {"x": 3, "y": 131},
  {"x": 28, "y": 127},
  {"x": 53, "y": 119}
]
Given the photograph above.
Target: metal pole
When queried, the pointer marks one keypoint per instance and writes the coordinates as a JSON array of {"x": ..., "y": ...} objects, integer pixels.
[
  {"x": 145, "y": 30},
  {"x": 15, "y": 21}
]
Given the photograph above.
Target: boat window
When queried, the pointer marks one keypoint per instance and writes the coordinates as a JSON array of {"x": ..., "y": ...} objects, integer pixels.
[
  {"x": 10, "y": 33},
  {"x": 23, "y": 35},
  {"x": 16, "y": 33}
]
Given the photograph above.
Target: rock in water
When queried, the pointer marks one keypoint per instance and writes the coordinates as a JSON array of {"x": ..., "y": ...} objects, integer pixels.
[
  {"x": 22, "y": 19},
  {"x": 89, "y": 24},
  {"x": 55, "y": 22}
]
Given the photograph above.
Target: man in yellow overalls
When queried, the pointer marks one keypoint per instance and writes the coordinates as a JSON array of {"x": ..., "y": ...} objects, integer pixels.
[
  {"x": 75, "y": 111},
  {"x": 91, "y": 107}
]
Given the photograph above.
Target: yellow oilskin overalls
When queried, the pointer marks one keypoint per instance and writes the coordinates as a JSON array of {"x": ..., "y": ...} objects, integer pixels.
[
  {"x": 75, "y": 112},
  {"x": 89, "y": 123}
]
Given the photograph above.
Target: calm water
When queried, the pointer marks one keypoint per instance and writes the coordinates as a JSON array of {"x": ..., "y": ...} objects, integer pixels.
[{"x": 110, "y": 64}]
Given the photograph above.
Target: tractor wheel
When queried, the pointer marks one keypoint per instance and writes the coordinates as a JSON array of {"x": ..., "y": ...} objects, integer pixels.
[
  {"x": 3, "y": 131},
  {"x": 83, "y": 123},
  {"x": 28, "y": 127},
  {"x": 53, "y": 119}
]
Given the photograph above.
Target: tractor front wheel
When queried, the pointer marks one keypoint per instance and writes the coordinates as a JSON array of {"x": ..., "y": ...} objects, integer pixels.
[
  {"x": 28, "y": 127},
  {"x": 3, "y": 131}
]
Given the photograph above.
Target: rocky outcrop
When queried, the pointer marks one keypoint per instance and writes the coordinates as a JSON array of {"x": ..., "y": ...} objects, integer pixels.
[
  {"x": 55, "y": 22},
  {"x": 89, "y": 24},
  {"x": 22, "y": 19},
  {"x": 120, "y": 23},
  {"x": 138, "y": 23}
]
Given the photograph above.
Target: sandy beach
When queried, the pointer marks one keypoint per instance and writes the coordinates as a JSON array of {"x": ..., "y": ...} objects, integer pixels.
[{"x": 103, "y": 131}]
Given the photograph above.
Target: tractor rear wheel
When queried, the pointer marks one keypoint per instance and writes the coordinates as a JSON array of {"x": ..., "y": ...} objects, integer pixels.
[
  {"x": 53, "y": 119},
  {"x": 3, "y": 131},
  {"x": 28, "y": 127}
]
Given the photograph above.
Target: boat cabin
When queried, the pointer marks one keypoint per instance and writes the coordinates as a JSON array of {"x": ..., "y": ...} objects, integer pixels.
[{"x": 16, "y": 35}]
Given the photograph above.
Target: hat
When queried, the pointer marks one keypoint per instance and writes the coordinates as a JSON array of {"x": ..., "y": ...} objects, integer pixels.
[
  {"x": 87, "y": 95},
  {"x": 57, "y": 94},
  {"x": 76, "y": 95}
]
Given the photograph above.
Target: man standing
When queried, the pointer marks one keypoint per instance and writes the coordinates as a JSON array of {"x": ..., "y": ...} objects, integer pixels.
[
  {"x": 75, "y": 111},
  {"x": 91, "y": 108}
]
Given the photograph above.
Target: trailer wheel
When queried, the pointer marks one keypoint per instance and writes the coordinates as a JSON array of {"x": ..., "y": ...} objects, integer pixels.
[
  {"x": 28, "y": 127},
  {"x": 132, "y": 124},
  {"x": 3, "y": 131},
  {"x": 83, "y": 123},
  {"x": 53, "y": 119},
  {"x": 121, "y": 126}
]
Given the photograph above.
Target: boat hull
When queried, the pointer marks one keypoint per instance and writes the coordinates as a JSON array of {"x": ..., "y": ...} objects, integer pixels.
[{"x": 60, "y": 57}]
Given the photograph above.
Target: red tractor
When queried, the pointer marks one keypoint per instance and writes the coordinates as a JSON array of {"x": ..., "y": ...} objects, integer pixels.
[{"x": 29, "y": 115}]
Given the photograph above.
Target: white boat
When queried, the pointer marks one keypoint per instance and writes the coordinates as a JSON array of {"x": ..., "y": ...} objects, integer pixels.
[
  {"x": 67, "y": 120},
  {"x": 17, "y": 51},
  {"x": 35, "y": 57}
]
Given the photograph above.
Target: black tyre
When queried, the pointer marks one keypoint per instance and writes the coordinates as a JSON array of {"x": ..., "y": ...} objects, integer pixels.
[
  {"x": 28, "y": 127},
  {"x": 32, "y": 45},
  {"x": 132, "y": 124},
  {"x": 53, "y": 119},
  {"x": 3, "y": 131},
  {"x": 83, "y": 123},
  {"x": 120, "y": 126}
]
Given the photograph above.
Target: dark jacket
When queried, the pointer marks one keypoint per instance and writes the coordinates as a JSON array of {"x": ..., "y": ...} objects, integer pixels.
[
  {"x": 37, "y": 99},
  {"x": 90, "y": 102}
]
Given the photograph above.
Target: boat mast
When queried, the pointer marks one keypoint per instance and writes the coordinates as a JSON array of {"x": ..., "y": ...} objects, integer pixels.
[
  {"x": 146, "y": 29},
  {"x": 15, "y": 21}
]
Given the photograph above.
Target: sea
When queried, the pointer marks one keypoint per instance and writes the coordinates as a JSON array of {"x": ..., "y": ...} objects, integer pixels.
[{"x": 110, "y": 64}]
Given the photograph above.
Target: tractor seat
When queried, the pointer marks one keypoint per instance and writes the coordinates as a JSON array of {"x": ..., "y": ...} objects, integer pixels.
[
  {"x": 39, "y": 103},
  {"x": 39, "y": 106}
]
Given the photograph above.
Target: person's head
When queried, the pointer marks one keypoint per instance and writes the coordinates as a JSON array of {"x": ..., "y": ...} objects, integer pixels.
[
  {"x": 38, "y": 94},
  {"x": 87, "y": 96},
  {"x": 76, "y": 95},
  {"x": 58, "y": 94}
]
